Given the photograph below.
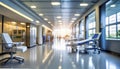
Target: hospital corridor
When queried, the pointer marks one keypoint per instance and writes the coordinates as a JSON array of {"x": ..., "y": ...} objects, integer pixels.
[{"x": 59, "y": 34}]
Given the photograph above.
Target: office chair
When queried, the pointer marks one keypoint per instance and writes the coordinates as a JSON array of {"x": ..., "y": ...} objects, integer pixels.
[{"x": 11, "y": 47}]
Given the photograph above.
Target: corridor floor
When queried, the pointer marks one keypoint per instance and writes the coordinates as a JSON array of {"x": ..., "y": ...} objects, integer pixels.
[{"x": 56, "y": 56}]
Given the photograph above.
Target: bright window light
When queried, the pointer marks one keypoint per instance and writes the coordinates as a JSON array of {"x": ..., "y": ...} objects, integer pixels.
[
  {"x": 76, "y": 14},
  {"x": 83, "y": 4},
  {"x": 41, "y": 14},
  {"x": 15, "y": 11},
  {"x": 113, "y": 5},
  {"x": 33, "y": 6},
  {"x": 55, "y": 3}
]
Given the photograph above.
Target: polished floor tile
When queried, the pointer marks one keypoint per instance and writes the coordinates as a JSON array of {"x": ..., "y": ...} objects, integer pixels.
[{"x": 57, "y": 56}]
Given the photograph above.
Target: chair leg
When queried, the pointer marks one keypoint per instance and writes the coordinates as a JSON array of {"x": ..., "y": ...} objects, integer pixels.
[{"x": 20, "y": 60}]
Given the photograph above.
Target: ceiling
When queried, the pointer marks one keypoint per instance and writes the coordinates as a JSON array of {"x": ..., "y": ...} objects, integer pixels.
[{"x": 66, "y": 9}]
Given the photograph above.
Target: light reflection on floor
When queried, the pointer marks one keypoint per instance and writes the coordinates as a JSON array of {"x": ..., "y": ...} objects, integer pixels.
[
  {"x": 59, "y": 44},
  {"x": 56, "y": 57}
]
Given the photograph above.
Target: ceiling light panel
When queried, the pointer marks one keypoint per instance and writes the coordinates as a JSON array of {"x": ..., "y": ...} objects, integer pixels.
[
  {"x": 45, "y": 19},
  {"x": 33, "y": 6},
  {"x": 58, "y": 17},
  {"x": 41, "y": 14},
  {"x": 83, "y": 4},
  {"x": 113, "y": 5},
  {"x": 76, "y": 14},
  {"x": 55, "y": 3}
]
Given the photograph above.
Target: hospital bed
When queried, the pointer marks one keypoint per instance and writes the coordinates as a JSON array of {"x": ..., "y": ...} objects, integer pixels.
[{"x": 85, "y": 44}]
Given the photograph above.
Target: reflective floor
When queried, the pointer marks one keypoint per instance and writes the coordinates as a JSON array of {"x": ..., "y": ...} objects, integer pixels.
[{"x": 57, "y": 56}]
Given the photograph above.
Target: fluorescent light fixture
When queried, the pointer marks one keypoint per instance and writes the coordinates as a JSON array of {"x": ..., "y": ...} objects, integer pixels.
[
  {"x": 55, "y": 3},
  {"x": 113, "y": 5},
  {"x": 83, "y": 4},
  {"x": 46, "y": 27},
  {"x": 37, "y": 22},
  {"x": 76, "y": 14},
  {"x": 33, "y": 6},
  {"x": 58, "y": 17},
  {"x": 49, "y": 22},
  {"x": 74, "y": 18},
  {"x": 13, "y": 22},
  {"x": 41, "y": 14},
  {"x": 45, "y": 19},
  {"x": 15, "y": 11},
  {"x": 22, "y": 23}
]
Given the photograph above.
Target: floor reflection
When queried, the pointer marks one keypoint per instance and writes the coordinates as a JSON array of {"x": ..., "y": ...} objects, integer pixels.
[{"x": 56, "y": 56}]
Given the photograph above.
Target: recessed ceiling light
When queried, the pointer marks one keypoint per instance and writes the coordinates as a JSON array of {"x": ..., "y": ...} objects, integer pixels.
[
  {"x": 73, "y": 18},
  {"x": 83, "y": 4},
  {"x": 55, "y": 3},
  {"x": 76, "y": 14},
  {"x": 59, "y": 21},
  {"x": 49, "y": 22},
  {"x": 22, "y": 23},
  {"x": 37, "y": 22},
  {"x": 33, "y": 6},
  {"x": 13, "y": 22},
  {"x": 113, "y": 5},
  {"x": 28, "y": 26},
  {"x": 41, "y": 14},
  {"x": 45, "y": 19},
  {"x": 58, "y": 17},
  {"x": 72, "y": 21}
]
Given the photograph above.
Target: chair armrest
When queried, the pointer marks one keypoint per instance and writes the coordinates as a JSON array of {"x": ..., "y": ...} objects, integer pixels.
[{"x": 18, "y": 43}]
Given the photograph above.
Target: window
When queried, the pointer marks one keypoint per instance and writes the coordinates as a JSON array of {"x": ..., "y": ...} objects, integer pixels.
[
  {"x": 81, "y": 29},
  {"x": 77, "y": 30},
  {"x": 112, "y": 31},
  {"x": 91, "y": 24},
  {"x": 113, "y": 20}
]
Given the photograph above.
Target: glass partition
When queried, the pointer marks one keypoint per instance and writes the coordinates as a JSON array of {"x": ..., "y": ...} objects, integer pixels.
[{"x": 16, "y": 29}]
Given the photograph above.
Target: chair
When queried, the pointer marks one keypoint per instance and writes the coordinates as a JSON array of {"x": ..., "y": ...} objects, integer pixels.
[{"x": 11, "y": 47}]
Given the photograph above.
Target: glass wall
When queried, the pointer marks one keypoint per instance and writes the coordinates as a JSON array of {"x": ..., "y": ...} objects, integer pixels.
[
  {"x": 82, "y": 28},
  {"x": 16, "y": 29},
  {"x": 91, "y": 24},
  {"x": 113, "y": 19}
]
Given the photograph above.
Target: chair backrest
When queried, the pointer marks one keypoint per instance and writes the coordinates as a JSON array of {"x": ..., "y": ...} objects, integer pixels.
[
  {"x": 96, "y": 36},
  {"x": 7, "y": 40}
]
